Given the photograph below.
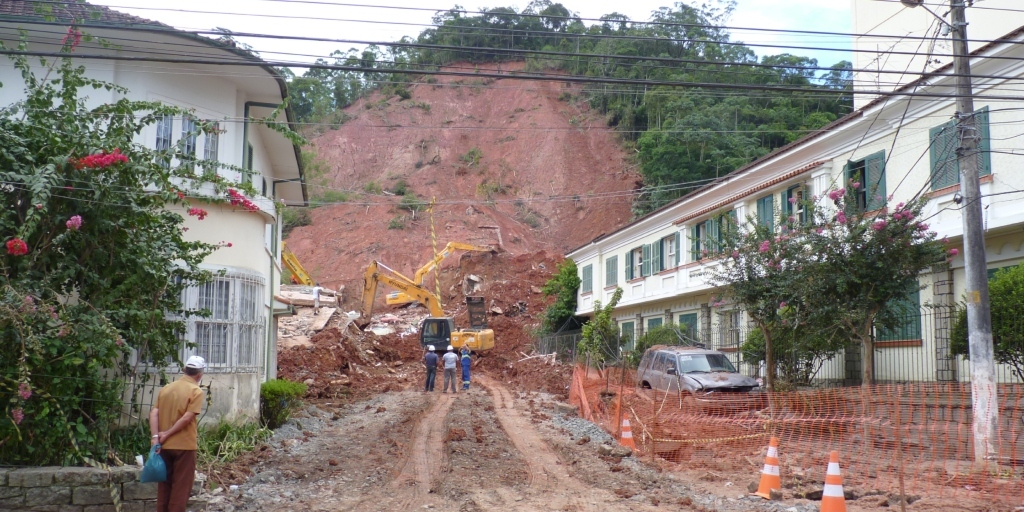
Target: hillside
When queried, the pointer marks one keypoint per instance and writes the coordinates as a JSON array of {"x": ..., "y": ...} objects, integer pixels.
[{"x": 491, "y": 152}]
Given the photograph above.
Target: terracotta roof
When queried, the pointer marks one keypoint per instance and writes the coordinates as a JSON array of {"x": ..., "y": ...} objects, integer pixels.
[{"x": 70, "y": 10}]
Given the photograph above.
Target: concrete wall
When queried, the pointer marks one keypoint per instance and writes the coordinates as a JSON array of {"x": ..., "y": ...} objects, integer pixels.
[{"x": 73, "y": 489}]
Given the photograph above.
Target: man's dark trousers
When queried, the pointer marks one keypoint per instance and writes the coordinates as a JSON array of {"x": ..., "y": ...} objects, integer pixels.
[
  {"x": 181, "y": 474},
  {"x": 431, "y": 377}
]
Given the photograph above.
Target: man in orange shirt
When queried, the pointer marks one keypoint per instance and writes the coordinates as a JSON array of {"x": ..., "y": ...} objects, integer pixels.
[{"x": 174, "y": 423}]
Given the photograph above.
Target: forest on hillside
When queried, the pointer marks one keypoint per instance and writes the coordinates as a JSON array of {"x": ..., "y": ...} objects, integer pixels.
[{"x": 681, "y": 134}]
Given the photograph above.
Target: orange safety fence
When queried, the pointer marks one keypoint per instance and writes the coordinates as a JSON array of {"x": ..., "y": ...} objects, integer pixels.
[{"x": 919, "y": 433}]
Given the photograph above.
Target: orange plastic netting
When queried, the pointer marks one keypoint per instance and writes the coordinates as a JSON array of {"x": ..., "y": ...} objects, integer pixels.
[{"x": 918, "y": 432}]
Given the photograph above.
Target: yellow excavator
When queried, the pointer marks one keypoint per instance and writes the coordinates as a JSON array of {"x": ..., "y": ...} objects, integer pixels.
[
  {"x": 437, "y": 329},
  {"x": 396, "y": 298},
  {"x": 291, "y": 262}
]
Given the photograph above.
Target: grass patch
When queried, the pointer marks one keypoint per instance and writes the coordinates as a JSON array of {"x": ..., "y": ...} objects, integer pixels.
[
  {"x": 372, "y": 188},
  {"x": 225, "y": 442},
  {"x": 292, "y": 218},
  {"x": 401, "y": 188},
  {"x": 397, "y": 222},
  {"x": 472, "y": 157},
  {"x": 412, "y": 203}
]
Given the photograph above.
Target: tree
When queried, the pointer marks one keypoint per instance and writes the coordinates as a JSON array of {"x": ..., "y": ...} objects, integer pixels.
[
  {"x": 93, "y": 262},
  {"x": 1006, "y": 293},
  {"x": 600, "y": 337},
  {"x": 563, "y": 286}
]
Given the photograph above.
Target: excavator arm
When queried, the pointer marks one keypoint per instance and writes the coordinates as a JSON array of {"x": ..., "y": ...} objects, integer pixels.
[
  {"x": 373, "y": 277},
  {"x": 291, "y": 262},
  {"x": 439, "y": 257}
]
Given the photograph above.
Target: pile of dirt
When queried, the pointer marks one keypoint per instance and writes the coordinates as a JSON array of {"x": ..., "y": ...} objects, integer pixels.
[{"x": 511, "y": 163}]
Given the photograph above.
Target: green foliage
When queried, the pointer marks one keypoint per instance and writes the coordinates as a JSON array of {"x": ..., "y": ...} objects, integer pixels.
[
  {"x": 830, "y": 278},
  {"x": 278, "y": 397},
  {"x": 489, "y": 189},
  {"x": 411, "y": 203},
  {"x": 600, "y": 338},
  {"x": 397, "y": 222},
  {"x": 665, "y": 334},
  {"x": 225, "y": 442},
  {"x": 472, "y": 157},
  {"x": 292, "y": 218},
  {"x": 563, "y": 286},
  {"x": 106, "y": 260},
  {"x": 401, "y": 188},
  {"x": 372, "y": 187},
  {"x": 403, "y": 93},
  {"x": 799, "y": 353},
  {"x": 1006, "y": 295},
  {"x": 318, "y": 181}
]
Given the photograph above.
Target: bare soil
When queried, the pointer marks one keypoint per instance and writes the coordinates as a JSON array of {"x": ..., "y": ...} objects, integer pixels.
[{"x": 535, "y": 141}]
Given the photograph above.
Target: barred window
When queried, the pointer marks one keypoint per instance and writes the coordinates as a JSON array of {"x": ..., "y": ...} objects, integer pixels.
[
  {"x": 163, "y": 136},
  {"x": 231, "y": 337},
  {"x": 211, "y": 148},
  {"x": 188, "y": 137}
]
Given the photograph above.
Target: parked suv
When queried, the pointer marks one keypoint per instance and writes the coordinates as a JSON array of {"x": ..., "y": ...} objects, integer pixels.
[{"x": 698, "y": 370}]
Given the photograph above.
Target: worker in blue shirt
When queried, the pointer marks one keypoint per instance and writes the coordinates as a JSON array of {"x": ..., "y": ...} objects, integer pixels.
[
  {"x": 430, "y": 362},
  {"x": 466, "y": 362}
]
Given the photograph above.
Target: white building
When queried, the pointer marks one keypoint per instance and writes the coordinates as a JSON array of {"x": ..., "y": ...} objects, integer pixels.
[
  {"x": 658, "y": 260},
  {"x": 238, "y": 340}
]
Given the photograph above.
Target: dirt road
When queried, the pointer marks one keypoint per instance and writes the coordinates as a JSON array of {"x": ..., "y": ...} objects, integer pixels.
[{"x": 486, "y": 449}]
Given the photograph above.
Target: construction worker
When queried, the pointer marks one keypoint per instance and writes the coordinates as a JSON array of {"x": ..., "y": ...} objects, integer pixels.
[
  {"x": 316, "y": 298},
  {"x": 449, "y": 369},
  {"x": 430, "y": 362},
  {"x": 465, "y": 361}
]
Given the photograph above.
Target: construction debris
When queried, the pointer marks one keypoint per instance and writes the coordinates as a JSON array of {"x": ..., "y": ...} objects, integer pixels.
[{"x": 321, "y": 319}]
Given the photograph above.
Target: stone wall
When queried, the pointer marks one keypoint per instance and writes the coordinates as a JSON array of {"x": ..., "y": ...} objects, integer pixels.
[{"x": 74, "y": 489}]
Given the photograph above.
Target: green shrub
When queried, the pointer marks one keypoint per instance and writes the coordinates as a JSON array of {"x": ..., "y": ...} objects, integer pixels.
[
  {"x": 397, "y": 222},
  {"x": 412, "y": 203},
  {"x": 329, "y": 197},
  {"x": 472, "y": 157},
  {"x": 1006, "y": 292},
  {"x": 400, "y": 188},
  {"x": 372, "y": 188},
  {"x": 224, "y": 442},
  {"x": 277, "y": 399},
  {"x": 403, "y": 93},
  {"x": 293, "y": 218}
]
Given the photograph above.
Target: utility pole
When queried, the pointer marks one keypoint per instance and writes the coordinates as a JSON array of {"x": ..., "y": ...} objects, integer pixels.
[{"x": 979, "y": 315}]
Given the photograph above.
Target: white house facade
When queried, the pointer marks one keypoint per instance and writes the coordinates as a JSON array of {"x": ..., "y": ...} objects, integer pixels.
[
  {"x": 900, "y": 143},
  {"x": 238, "y": 340}
]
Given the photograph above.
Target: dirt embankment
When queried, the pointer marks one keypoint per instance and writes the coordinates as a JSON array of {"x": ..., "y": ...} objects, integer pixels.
[{"x": 492, "y": 152}]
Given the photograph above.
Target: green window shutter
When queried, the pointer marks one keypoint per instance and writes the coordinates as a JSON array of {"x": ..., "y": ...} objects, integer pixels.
[
  {"x": 587, "y": 280},
  {"x": 629, "y": 265},
  {"x": 679, "y": 258},
  {"x": 656, "y": 256},
  {"x": 766, "y": 212},
  {"x": 714, "y": 236},
  {"x": 874, "y": 172},
  {"x": 628, "y": 332},
  {"x": 694, "y": 243},
  {"x": 984, "y": 142},
  {"x": 942, "y": 153},
  {"x": 611, "y": 271},
  {"x": 652, "y": 323},
  {"x": 688, "y": 324},
  {"x": 645, "y": 267},
  {"x": 909, "y": 312}
]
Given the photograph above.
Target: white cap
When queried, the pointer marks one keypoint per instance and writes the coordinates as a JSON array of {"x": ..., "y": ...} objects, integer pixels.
[
  {"x": 430, "y": 348},
  {"x": 195, "y": 362},
  {"x": 451, "y": 347}
]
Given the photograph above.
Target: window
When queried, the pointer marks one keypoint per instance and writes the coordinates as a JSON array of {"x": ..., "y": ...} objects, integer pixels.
[
  {"x": 652, "y": 323},
  {"x": 670, "y": 251},
  {"x": 211, "y": 148},
  {"x": 163, "y": 137},
  {"x": 945, "y": 139},
  {"x": 688, "y": 324},
  {"x": 611, "y": 271},
  {"x": 645, "y": 259},
  {"x": 188, "y": 139},
  {"x": 870, "y": 173},
  {"x": 709, "y": 237},
  {"x": 587, "y": 279},
  {"x": 794, "y": 203},
  {"x": 697, "y": 234},
  {"x": 231, "y": 338},
  {"x": 638, "y": 262},
  {"x": 908, "y": 313},
  {"x": 628, "y": 332},
  {"x": 766, "y": 212}
]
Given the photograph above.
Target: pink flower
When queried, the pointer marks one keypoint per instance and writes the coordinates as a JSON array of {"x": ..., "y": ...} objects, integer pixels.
[
  {"x": 181, "y": 195},
  {"x": 39, "y": 206},
  {"x": 792, "y": 218},
  {"x": 792, "y": 200},
  {"x": 764, "y": 246},
  {"x": 74, "y": 36},
  {"x": 921, "y": 226},
  {"x": 819, "y": 231},
  {"x": 119, "y": 341},
  {"x": 782, "y": 304},
  {"x": 841, "y": 217},
  {"x": 879, "y": 225},
  {"x": 17, "y": 247},
  {"x": 74, "y": 222},
  {"x": 855, "y": 184},
  {"x": 24, "y": 391},
  {"x": 29, "y": 300},
  {"x": 17, "y": 415},
  {"x": 100, "y": 160},
  {"x": 735, "y": 255},
  {"x": 198, "y": 212},
  {"x": 836, "y": 194},
  {"x": 954, "y": 251}
]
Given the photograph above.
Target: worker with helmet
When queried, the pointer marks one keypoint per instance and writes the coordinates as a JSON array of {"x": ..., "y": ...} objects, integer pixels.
[
  {"x": 465, "y": 361},
  {"x": 430, "y": 362},
  {"x": 450, "y": 359}
]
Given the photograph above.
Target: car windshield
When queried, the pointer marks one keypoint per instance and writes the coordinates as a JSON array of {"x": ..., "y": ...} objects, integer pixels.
[{"x": 705, "y": 363}]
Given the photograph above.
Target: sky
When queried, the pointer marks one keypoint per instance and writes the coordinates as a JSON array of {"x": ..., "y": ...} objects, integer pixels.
[{"x": 320, "y": 19}]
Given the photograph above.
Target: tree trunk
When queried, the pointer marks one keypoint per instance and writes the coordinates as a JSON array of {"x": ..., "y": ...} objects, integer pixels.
[
  {"x": 868, "y": 363},
  {"x": 769, "y": 361}
]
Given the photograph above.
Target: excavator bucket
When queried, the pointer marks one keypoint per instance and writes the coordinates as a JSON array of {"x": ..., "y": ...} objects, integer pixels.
[{"x": 477, "y": 312}]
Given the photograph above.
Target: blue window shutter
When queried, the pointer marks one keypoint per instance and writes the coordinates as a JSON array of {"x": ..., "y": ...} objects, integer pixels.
[
  {"x": 645, "y": 263},
  {"x": 874, "y": 172},
  {"x": 984, "y": 142},
  {"x": 766, "y": 212},
  {"x": 629, "y": 265}
]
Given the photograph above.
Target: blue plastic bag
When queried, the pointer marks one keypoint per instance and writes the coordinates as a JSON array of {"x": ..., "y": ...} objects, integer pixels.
[{"x": 155, "y": 470}]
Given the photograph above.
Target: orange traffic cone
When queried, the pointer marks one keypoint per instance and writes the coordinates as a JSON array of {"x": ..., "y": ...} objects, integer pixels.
[
  {"x": 627, "y": 435},
  {"x": 832, "y": 499},
  {"x": 770, "y": 474}
]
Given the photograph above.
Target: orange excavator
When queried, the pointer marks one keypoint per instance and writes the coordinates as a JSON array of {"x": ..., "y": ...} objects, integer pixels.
[{"x": 437, "y": 329}]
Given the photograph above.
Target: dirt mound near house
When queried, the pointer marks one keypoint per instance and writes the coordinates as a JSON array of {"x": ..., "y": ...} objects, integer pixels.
[{"x": 511, "y": 163}]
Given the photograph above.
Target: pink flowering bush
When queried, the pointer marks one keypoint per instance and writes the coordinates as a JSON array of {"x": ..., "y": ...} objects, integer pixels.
[
  {"x": 74, "y": 223},
  {"x": 198, "y": 213},
  {"x": 17, "y": 247},
  {"x": 100, "y": 160}
]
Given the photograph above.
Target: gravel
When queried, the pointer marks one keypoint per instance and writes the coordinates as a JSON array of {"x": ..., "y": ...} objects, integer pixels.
[{"x": 579, "y": 427}]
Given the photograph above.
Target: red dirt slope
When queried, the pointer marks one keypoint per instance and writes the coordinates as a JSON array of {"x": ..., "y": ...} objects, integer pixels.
[{"x": 535, "y": 141}]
